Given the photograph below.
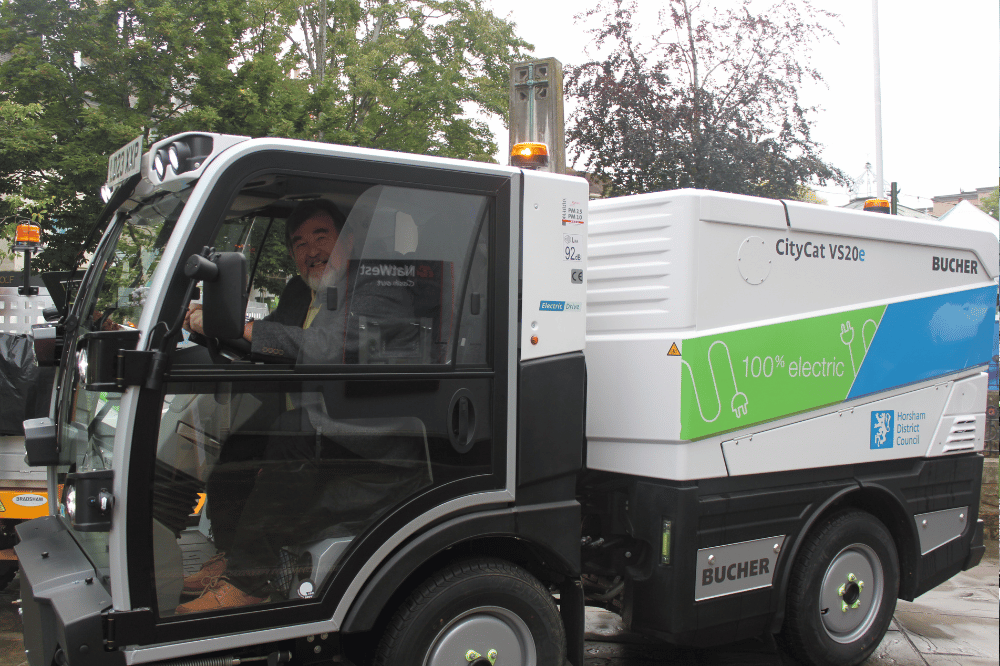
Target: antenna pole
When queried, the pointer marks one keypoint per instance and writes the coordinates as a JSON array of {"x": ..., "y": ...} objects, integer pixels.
[{"x": 878, "y": 105}]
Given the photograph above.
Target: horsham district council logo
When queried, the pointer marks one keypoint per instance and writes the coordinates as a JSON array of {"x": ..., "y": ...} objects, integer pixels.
[{"x": 882, "y": 429}]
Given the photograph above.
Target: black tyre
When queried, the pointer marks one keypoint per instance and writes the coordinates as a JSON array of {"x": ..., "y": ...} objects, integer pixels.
[
  {"x": 476, "y": 612},
  {"x": 842, "y": 591}
]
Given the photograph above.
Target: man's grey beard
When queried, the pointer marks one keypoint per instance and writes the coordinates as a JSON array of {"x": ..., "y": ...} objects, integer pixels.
[{"x": 314, "y": 281}]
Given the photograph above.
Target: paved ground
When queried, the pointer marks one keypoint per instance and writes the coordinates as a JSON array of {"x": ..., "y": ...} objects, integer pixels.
[{"x": 954, "y": 624}]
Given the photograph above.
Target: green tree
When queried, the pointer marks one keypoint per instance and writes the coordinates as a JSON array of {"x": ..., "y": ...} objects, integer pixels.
[
  {"x": 84, "y": 77},
  {"x": 991, "y": 203},
  {"x": 406, "y": 74},
  {"x": 808, "y": 195},
  {"x": 710, "y": 100}
]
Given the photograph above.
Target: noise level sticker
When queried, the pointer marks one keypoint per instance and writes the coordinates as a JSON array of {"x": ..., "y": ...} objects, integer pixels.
[
  {"x": 572, "y": 247},
  {"x": 674, "y": 351}
]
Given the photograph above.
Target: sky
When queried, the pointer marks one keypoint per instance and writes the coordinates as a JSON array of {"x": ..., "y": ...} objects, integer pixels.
[{"x": 940, "y": 76}]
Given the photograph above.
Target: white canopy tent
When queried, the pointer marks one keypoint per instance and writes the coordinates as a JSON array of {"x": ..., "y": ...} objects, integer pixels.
[{"x": 967, "y": 216}]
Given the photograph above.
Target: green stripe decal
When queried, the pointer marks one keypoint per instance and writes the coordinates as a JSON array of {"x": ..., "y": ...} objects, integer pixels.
[{"x": 733, "y": 380}]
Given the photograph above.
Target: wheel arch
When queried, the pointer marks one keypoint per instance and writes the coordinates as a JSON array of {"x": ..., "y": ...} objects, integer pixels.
[
  {"x": 881, "y": 503},
  {"x": 497, "y": 534}
]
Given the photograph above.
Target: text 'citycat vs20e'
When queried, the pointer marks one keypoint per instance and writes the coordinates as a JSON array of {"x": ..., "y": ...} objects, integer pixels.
[{"x": 319, "y": 403}]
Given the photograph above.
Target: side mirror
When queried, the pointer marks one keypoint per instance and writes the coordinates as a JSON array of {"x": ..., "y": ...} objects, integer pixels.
[
  {"x": 48, "y": 343},
  {"x": 224, "y": 293},
  {"x": 41, "y": 443}
]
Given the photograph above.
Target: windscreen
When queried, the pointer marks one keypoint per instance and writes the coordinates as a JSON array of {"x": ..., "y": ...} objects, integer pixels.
[{"x": 113, "y": 299}]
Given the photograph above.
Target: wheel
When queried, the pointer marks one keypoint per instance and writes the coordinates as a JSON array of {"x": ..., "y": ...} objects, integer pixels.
[
  {"x": 842, "y": 591},
  {"x": 476, "y": 612}
]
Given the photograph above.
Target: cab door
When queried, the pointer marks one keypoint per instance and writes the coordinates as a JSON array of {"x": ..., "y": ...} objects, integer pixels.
[{"x": 266, "y": 476}]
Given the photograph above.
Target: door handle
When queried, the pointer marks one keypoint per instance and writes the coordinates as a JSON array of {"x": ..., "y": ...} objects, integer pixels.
[{"x": 462, "y": 421}]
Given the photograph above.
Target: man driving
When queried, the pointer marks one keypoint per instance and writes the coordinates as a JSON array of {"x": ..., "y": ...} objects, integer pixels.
[
  {"x": 295, "y": 489},
  {"x": 314, "y": 234},
  {"x": 317, "y": 243}
]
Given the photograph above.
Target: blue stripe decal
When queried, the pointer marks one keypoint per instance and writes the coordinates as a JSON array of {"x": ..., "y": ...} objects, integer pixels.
[{"x": 926, "y": 338}]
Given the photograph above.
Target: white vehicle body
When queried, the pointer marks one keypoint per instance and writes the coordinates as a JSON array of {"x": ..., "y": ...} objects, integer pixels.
[{"x": 678, "y": 406}]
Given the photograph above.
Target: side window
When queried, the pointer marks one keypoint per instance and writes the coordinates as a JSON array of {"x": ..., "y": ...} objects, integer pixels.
[
  {"x": 354, "y": 273},
  {"x": 473, "y": 333}
]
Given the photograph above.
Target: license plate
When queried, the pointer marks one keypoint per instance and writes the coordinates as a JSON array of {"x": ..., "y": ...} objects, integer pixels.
[{"x": 125, "y": 162}]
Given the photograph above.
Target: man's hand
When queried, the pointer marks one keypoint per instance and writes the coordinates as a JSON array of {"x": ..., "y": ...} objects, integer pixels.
[{"x": 194, "y": 319}]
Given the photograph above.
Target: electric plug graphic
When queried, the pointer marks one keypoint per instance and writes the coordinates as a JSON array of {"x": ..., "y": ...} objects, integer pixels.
[
  {"x": 739, "y": 404},
  {"x": 847, "y": 333},
  {"x": 847, "y": 337}
]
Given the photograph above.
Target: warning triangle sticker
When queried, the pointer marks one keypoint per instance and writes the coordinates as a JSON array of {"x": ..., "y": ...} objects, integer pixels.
[
  {"x": 2, "y": 507},
  {"x": 674, "y": 351}
]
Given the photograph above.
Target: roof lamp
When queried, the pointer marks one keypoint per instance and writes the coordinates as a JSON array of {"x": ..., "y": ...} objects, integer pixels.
[
  {"x": 530, "y": 155},
  {"x": 28, "y": 236},
  {"x": 877, "y": 206}
]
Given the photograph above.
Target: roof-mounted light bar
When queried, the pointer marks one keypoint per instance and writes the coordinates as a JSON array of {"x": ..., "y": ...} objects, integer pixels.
[{"x": 177, "y": 160}]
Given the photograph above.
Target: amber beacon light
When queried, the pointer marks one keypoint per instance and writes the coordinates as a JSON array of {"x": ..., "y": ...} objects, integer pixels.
[
  {"x": 29, "y": 236},
  {"x": 529, "y": 155},
  {"x": 877, "y": 206}
]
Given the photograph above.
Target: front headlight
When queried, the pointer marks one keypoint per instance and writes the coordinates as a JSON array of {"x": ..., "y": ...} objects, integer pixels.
[
  {"x": 81, "y": 364},
  {"x": 160, "y": 162},
  {"x": 178, "y": 154},
  {"x": 69, "y": 503}
]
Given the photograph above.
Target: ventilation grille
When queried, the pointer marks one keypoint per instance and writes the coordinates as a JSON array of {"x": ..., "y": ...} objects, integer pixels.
[
  {"x": 629, "y": 271},
  {"x": 962, "y": 436}
]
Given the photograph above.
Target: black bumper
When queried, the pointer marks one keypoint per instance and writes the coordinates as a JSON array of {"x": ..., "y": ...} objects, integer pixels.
[
  {"x": 976, "y": 548},
  {"x": 62, "y": 599}
]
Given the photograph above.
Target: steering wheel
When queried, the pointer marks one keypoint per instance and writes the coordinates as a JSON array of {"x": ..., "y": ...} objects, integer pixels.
[{"x": 222, "y": 350}]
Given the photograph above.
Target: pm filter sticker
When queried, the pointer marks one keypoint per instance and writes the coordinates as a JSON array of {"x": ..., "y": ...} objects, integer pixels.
[{"x": 572, "y": 212}]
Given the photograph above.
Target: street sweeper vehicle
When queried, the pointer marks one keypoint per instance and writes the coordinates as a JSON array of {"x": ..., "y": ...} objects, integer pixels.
[{"x": 479, "y": 403}]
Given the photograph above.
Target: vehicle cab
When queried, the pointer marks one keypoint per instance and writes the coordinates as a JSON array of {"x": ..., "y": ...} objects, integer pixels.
[{"x": 303, "y": 372}]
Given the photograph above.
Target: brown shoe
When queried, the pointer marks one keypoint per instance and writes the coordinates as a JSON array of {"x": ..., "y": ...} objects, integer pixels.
[
  {"x": 196, "y": 583},
  {"x": 219, "y": 594}
]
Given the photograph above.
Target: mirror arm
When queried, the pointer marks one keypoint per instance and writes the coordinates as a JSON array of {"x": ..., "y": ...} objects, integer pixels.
[{"x": 158, "y": 363}]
